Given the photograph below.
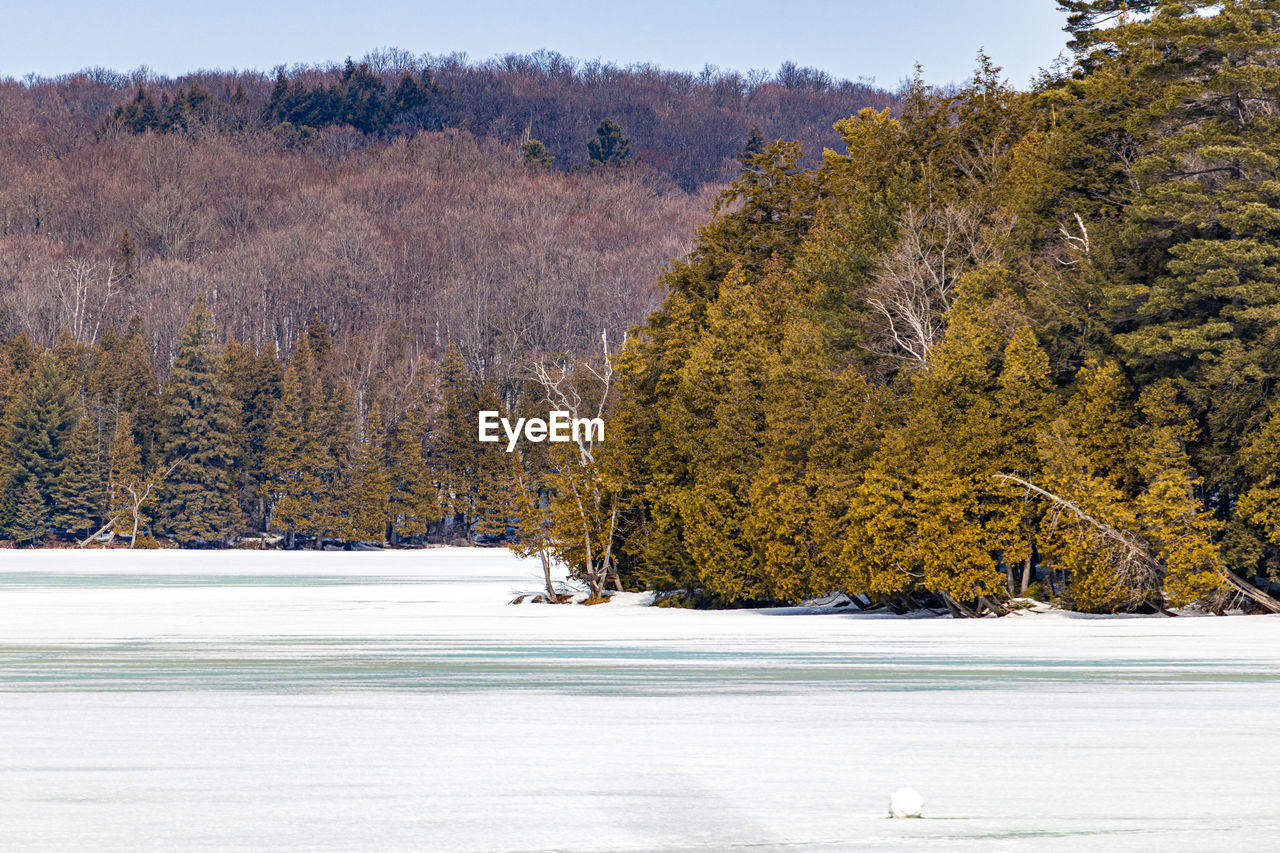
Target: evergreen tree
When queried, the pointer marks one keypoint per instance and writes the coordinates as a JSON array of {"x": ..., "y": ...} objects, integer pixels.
[
  {"x": 79, "y": 497},
  {"x": 1259, "y": 507},
  {"x": 253, "y": 380},
  {"x": 197, "y": 499},
  {"x": 456, "y": 454},
  {"x": 493, "y": 497},
  {"x": 128, "y": 251},
  {"x": 534, "y": 153},
  {"x": 1087, "y": 460},
  {"x": 823, "y": 426},
  {"x": 969, "y": 531},
  {"x": 754, "y": 145},
  {"x": 881, "y": 556},
  {"x": 1169, "y": 121},
  {"x": 122, "y": 375},
  {"x": 294, "y": 454},
  {"x": 762, "y": 220},
  {"x": 73, "y": 358},
  {"x": 1182, "y": 535},
  {"x": 1092, "y": 25},
  {"x": 31, "y": 518},
  {"x": 125, "y": 483},
  {"x": 369, "y": 485},
  {"x": 307, "y": 454},
  {"x": 40, "y": 419},
  {"x": 714, "y": 424},
  {"x": 414, "y": 501},
  {"x": 609, "y": 147},
  {"x": 1024, "y": 405},
  {"x": 335, "y": 423}
]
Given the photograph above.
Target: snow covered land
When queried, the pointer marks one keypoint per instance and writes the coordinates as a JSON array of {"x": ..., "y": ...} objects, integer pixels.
[{"x": 395, "y": 701}]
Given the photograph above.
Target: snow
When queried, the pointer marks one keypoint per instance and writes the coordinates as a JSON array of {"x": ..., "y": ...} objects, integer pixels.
[
  {"x": 394, "y": 701},
  {"x": 906, "y": 802}
]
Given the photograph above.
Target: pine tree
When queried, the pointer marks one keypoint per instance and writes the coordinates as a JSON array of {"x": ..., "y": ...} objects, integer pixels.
[
  {"x": 534, "y": 153},
  {"x": 10, "y": 383},
  {"x": 122, "y": 375},
  {"x": 415, "y": 502},
  {"x": 369, "y": 485},
  {"x": 1091, "y": 24},
  {"x": 456, "y": 454},
  {"x": 329, "y": 426},
  {"x": 125, "y": 483},
  {"x": 1172, "y": 117},
  {"x": 254, "y": 381},
  {"x": 40, "y": 418},
  {"x": 128, "y": 254},
  {"x": 335, "y": 420},
  {"x": 79, "y": 497},
  {"x": 31, "y": 519},
  {"x": 609, "y": 147},
  {"x": 197, "y": 500},
  {"x": 73, "y": 358},
  {"x": 294, "y": 453},
  {"x": 754, "y": 145},
  {"x": 493, "y": 498}
]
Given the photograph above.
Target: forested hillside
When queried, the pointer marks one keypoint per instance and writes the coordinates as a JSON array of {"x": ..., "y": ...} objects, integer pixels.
[
  {"x": 427, "y": 227},
  {"x": 1009, "y": 342},
  {"x": 511, "y": 207},
  {"x": 688, "y": 127},
  {"x": 438, "y": 237}
]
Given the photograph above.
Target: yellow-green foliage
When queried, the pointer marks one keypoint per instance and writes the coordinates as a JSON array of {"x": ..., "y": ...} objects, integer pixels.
[
  {"x": 368, "y": 496},
  {"x": 1073, "y": 287},
  {"x": 1133, "y": 477}
]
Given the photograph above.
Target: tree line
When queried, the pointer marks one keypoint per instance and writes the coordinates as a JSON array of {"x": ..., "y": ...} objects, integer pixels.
[
  {"x": 688, "y": 127},
  {"x": 238, "y": 444}
]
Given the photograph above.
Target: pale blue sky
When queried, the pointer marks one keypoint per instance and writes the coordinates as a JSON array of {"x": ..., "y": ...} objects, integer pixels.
[{"x": 850, "y": 39}]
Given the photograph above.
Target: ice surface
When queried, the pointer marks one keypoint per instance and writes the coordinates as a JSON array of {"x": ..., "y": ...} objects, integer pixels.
[{"x": 394, "y": 701}]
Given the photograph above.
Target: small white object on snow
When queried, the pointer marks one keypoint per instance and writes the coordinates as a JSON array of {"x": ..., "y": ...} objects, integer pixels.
[{"x": 906, "y": 802}]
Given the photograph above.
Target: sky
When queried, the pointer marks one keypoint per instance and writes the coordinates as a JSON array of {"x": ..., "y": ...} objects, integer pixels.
[{"x": 851, "y": 39}]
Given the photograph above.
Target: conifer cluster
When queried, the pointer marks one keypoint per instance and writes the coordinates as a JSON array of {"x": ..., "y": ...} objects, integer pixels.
[
  {"x": 235, "y": 444},
  {"x": 1009, "y": 343}
]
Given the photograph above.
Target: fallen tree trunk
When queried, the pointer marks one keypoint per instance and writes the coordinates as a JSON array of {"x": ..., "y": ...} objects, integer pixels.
[
  {"x": 1139, "y": 550},
  {"x": 1252, "y": 592},
  {"x": 987, "y": 603},
  {"x": 958, "y": 607}
]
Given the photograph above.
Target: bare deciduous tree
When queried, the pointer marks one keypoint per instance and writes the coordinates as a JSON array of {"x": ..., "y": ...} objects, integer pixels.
[
  {"x": 913, "y": 287},
  {"x": 589, "y": 503}
]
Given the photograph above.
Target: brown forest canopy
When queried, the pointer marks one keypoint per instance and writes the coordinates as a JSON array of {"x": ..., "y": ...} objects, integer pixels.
[
  {"x": 690, "y": 127},
  {"x": 447, "y": 238},
  {"x": 407, "y": 203}
]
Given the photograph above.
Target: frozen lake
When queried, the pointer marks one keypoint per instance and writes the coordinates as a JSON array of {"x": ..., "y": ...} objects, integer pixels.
[{"x": 394, "y": 701}]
